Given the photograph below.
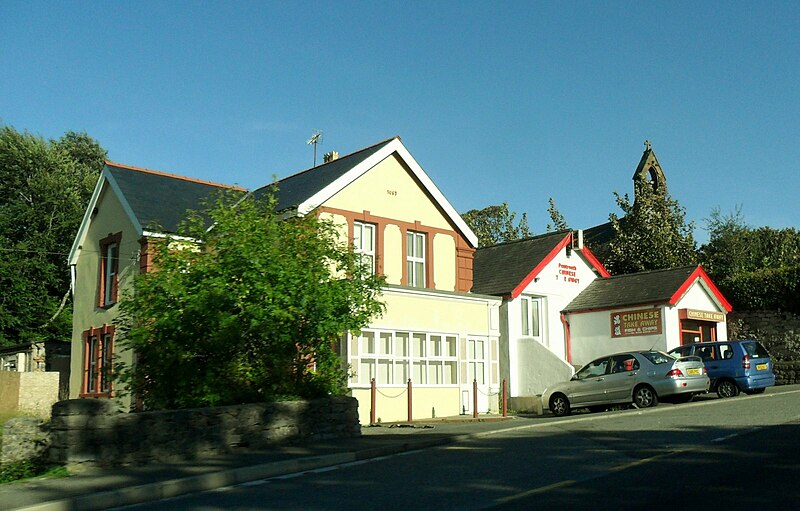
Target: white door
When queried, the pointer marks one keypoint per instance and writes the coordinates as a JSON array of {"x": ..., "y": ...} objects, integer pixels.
[{"x": 477, "y": 370}]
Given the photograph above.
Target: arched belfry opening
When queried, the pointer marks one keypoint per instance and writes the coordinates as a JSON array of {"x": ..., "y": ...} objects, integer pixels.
[{"x": 649, "y": 172}]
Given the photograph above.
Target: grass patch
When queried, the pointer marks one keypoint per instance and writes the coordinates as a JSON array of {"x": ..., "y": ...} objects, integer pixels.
[{"x": 28, "y": 469}]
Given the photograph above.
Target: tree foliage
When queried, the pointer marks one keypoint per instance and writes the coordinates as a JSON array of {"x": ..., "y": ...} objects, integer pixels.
[
  {"x": 496, "y": 224},
  {"x": 652, "y": 234},
  {"x": 45, "y": 186},
  {"x": 250, "y": 311},
  {"x": 558, "y": 222},
  {"x": 756, "y": 268}
]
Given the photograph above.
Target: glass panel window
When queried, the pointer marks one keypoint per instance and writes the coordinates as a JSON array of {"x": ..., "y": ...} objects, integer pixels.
[
  {"x": 364, "y": 243},
  {"x": 368, "y": 342},
  {"x": 524, "y": 314},
  {"x": 98, "y": 359},
  {"x": 419, "y": 346},
  {"x": 385, "y": 343},
  {"x": 109, "y": 269},
  {"x": 401, "y": 344},
  {"x": 393, "y": 357},
  {"x": 530, "y": 310},
  {"x": 415, "y": 258}
]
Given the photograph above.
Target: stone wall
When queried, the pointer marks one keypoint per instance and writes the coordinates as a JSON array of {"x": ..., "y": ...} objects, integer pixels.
[
  {"x": 779, "y": 332},
  {"x": 23, "y": 438},
  {"x": 30, "y": 393},
  {"x": 94, "y": 430}
]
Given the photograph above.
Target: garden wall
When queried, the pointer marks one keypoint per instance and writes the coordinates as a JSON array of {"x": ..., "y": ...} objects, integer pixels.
[
  {"x": 95, "y": 430},
  {"x": 29, "y": 393},
  {"x": 779, "y": 332}
]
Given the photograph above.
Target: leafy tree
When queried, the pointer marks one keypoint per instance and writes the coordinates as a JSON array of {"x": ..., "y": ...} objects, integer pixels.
[
  {"x": 44, "y": 189},
  {"x": 559, "y": 223},
  {"x": 249, "y": 312},
  {"x": 652, "y": 234},
  {"x": 756, "y": 268},
  {"x": 495, "y": 224}
]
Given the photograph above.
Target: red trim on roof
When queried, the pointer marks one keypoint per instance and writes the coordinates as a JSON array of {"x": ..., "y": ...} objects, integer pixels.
[
  {"x": 594, "y": 261},
  {"x": 539, "y": 267},
  {"x": 700, "y": 273},
  {"x": 174, "y": 176}
]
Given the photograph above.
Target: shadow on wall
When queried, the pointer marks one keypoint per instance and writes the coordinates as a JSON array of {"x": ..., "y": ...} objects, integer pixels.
[
  {"x": 95, "y": 430},
  {"x": 537, "y": 368}
]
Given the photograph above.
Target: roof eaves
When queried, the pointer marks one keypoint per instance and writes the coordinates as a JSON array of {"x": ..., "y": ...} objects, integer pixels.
[{"x": 541, "y": 265}]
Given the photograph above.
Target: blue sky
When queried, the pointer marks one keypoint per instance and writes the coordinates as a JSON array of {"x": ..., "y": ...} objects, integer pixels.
[{"x": 498, "y": 101}]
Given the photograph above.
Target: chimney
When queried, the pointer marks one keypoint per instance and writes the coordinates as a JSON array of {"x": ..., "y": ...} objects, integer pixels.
[{"x": 329, "y": 157}]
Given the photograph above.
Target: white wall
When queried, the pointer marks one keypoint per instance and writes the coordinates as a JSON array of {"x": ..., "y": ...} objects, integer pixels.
[{"x": 529, "y": 365}]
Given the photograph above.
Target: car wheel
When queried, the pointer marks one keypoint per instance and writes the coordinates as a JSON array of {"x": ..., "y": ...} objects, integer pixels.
[
  {"x": 644, "y": 397},
  {"x": 727, "y": 388},
  {"x": 559, "y": 405},
  {"x": 756, "y": 391}
]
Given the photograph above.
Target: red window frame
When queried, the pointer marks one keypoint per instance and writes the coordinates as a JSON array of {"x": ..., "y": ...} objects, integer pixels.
[
  {"x": 98, "y": 351},
  {"x": 109, "y": 270}
]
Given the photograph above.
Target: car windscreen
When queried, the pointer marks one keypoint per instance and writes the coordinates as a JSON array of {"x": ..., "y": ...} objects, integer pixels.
[
  {"x": 658, "y": 357},
  {"x": 755, "y": 349}
]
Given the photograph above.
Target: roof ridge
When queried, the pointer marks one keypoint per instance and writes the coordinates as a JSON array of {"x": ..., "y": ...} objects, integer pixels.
[
  {"x": 338, "y": 159},
  {"x": 527, "y": 238},
  {"x": 647, "y": 272},
  {"x": 173, "y": 176}
]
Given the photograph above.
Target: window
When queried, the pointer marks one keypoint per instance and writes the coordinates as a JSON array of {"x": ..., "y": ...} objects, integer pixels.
[
  {"x": 394, "y": 357},
  {"x": 364, "y": 243},
  {"x": 529, "y": 312},
  {"x": 98, "y": 351},
  {"x": 476, "y": 361},
  {"x": 415, "y": 258},
  {"x": 109, "y": 269}
]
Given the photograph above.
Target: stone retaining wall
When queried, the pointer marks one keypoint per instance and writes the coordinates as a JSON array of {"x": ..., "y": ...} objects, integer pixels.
[
  {"x": 94, "y": 430},
  {"x": 779, "y": 332},
  {"x": 23, "y": 438}
]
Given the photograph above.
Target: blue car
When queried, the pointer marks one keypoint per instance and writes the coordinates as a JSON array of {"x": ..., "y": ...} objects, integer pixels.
[{"x": 733, "y": 366}]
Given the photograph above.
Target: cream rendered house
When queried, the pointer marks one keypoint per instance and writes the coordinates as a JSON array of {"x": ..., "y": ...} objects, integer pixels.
[{"x": 435, "y": 338}]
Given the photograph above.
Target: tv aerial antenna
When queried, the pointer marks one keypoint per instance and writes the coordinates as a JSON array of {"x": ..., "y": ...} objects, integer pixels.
[{"x": 316, "y": 138}]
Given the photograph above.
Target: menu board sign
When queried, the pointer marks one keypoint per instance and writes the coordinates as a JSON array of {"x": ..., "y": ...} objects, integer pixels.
[{"x": 638, "y": 322}]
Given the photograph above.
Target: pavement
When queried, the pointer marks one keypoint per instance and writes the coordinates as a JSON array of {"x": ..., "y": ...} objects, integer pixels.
[{"x": 91, "y": 487}]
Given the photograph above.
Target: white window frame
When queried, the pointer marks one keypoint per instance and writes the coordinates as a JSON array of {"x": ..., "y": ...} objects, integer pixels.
[
  {"x": 363, "y": 231},
  {"x": 531, "y": 317},
  {"x": 414, "y": 259},
  {"x": 429, "y": 359}
]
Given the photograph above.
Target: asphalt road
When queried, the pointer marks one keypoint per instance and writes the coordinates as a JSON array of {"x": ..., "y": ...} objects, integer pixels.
[{"x": 740, "y": 453}]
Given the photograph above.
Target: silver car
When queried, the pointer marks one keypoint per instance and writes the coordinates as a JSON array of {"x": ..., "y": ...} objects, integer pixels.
[{"x": 638, "y": 377}]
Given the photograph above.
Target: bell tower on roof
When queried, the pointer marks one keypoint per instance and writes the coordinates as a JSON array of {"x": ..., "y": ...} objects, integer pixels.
[{"x": 649, "y": 173}]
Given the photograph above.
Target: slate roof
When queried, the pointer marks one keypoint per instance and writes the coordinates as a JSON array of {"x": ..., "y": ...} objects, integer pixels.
[
  {"x": 499, "y": 269},
  {"x": 295, "y": 189},
  {"x": 658, "y": 286},
  {"x": 159, "y": 201}
]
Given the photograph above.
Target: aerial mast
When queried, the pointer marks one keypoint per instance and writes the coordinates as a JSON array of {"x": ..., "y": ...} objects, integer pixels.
[{"x": 316, "y": 138}]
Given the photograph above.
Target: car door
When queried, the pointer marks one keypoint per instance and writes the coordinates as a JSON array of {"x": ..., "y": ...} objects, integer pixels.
[
  {"x": 622, "y": 378},
  {"x": 715, "y": 364},
  {"x": 589, "y": 387}
]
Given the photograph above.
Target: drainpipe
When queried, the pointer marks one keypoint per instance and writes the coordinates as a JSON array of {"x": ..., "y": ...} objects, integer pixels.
[{"x": 567, "y": 337}]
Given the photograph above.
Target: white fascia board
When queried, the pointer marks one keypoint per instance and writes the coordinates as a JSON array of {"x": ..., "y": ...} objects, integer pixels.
[
  {"x": 348, "y": 177},
  {"x": 394, "y": 145},
  {"x": 105, "y": 178},
  {"x": 436, "y": 194}
]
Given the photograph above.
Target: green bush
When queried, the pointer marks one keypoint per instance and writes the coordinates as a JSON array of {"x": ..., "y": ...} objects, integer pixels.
[
  {"x": 763, "y": 289},
  {"x": 22, "y": 470}
]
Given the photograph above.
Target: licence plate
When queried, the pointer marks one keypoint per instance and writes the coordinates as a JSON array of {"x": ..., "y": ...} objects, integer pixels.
[
  {"x": 693, "y": 371},
  {"x": 761, "y": 367}
]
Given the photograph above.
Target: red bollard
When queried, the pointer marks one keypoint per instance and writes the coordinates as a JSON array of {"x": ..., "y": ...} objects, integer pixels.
[
  {"x": 373, "y": 392},
  {"x": 409, "y": 400},
  {"x": 505, "y": 399},
  {"x": 474, "y": 399}
]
